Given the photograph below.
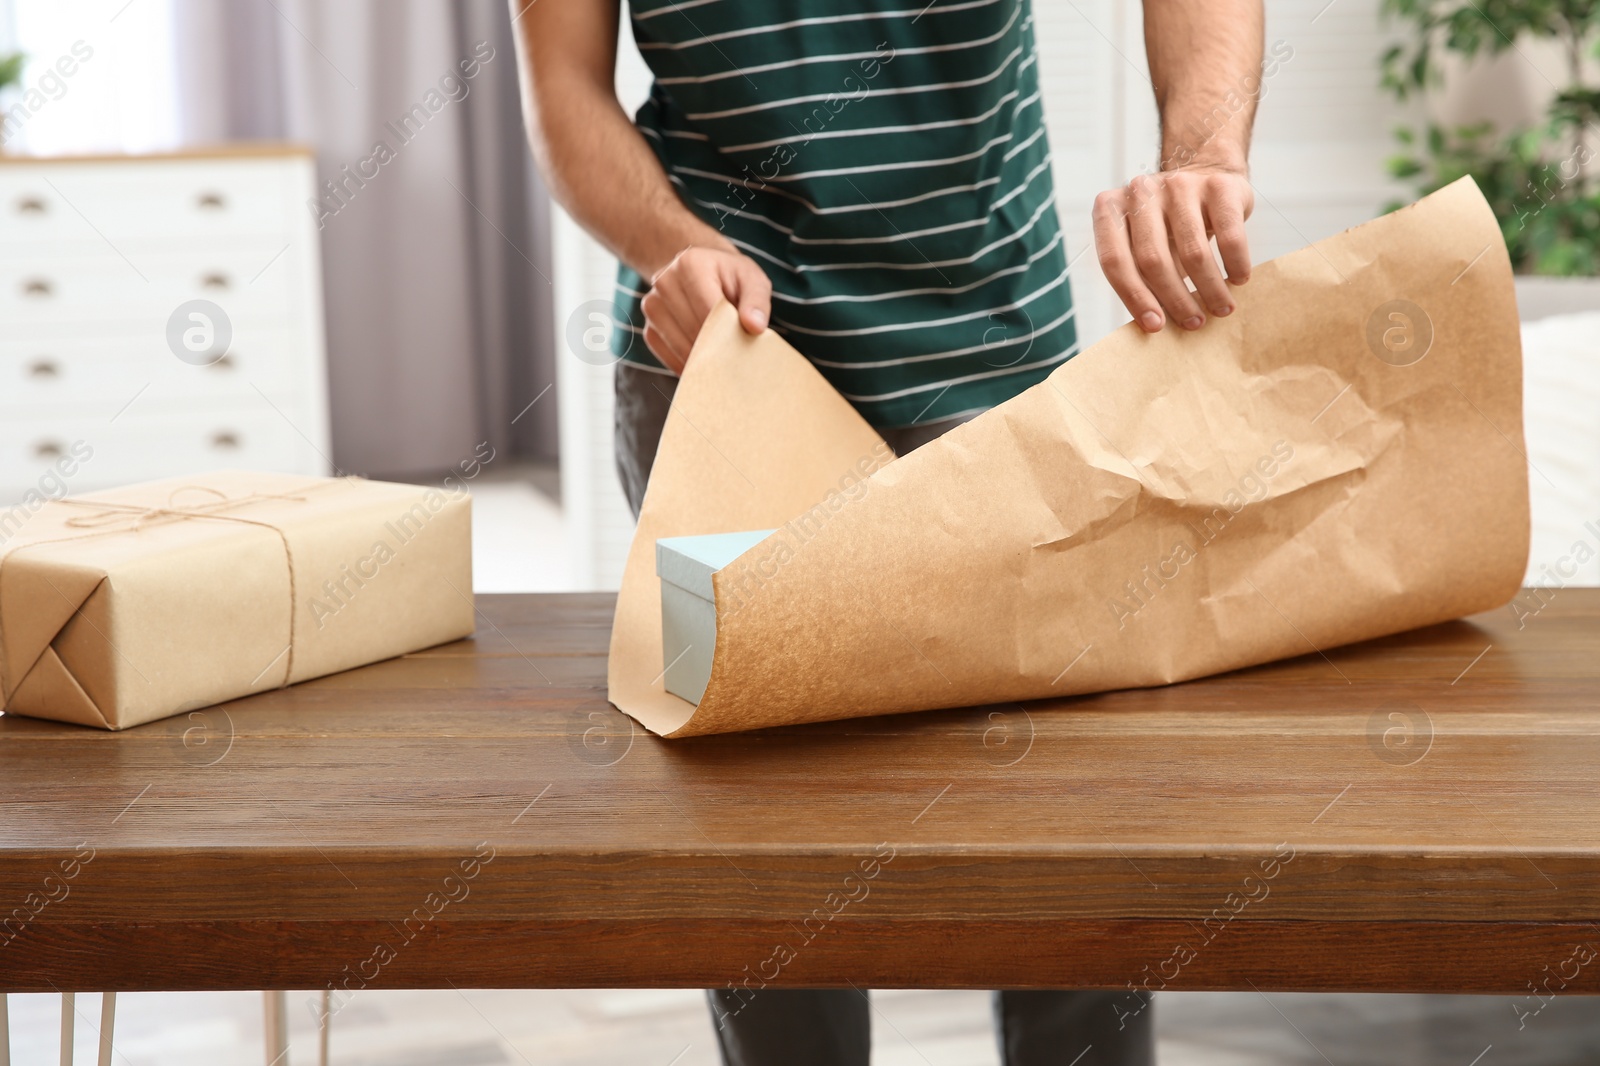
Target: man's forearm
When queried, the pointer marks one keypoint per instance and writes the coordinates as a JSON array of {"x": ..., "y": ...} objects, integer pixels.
[
  {"x": 1205, "y": 64},
  {"x": 595, "y": 162}
]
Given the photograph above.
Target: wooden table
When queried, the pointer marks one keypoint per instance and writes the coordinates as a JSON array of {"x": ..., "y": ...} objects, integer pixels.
[{"x": 1416, "y": 813}]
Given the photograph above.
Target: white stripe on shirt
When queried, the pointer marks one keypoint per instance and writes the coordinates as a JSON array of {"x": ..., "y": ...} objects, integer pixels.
[
  {"x": 844, "y": 209},
  {"x": 822, "y": 20},
  {"x": 903, "y": 360},
  {"x": 927, "y": 323},
  {"x": 667, "y": 10},
  {"x": 917, "y": 128},
  {"x": 723, "y": 208},
  {"x": 840, "y": 57},
  {"x": 853, "y": 298},
  {"x": 900, "y": 90},
  {"x": 910, "y": 164},
  {"x": 1049, "y": 202},
  {"x": 981, "y": 376}
]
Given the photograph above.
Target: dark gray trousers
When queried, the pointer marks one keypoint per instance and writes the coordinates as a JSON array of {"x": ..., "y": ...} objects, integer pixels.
[{"x": 829, "y": 1027}]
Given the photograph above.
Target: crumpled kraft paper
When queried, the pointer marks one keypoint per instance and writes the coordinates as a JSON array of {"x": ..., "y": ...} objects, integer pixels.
[
  {"x": 1340, "y": 459},
  {"x": 124, "y": 606}
]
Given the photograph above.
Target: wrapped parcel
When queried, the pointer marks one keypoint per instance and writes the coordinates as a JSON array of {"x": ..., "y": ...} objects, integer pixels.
[
  {"x": 124, "y": 606},
  {"x": 1338, "y": 460}
]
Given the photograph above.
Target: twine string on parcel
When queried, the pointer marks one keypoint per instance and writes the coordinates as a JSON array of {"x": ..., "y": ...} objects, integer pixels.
[{"x": 111, "y": 518}]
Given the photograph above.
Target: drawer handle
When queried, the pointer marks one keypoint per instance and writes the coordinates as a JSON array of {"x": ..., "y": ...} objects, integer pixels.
[
  {"x": 225, "y": 441},
  {"x": 46, "y": 450},
  {"x": 38, "y": 288},
  {"x": 211, "y": 201},
  {"x": 31, "y": 205},
  {"x": 215, "y": 280},
  {"x": 223, "y": 362},
  {"x": 44, "y": 368}
]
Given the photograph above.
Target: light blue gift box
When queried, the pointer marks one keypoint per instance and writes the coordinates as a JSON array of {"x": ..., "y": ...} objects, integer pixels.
[{"x": 689, "y": 607}]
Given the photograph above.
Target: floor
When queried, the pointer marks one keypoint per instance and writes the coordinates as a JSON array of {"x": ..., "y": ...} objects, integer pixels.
[
  {"x": 910, "y": 1028},
  {"x": 519, "y": 544},
  {"x": 519, "y": 541}
]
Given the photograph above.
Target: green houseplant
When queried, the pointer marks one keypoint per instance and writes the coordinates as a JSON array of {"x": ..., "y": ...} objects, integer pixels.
[
  {"x": 10, "y": 74},
  {"x": 1538, "y": 179}
]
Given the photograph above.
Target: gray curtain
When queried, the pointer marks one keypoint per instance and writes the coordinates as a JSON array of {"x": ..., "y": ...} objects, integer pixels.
[{"x": 435, "y": 246}]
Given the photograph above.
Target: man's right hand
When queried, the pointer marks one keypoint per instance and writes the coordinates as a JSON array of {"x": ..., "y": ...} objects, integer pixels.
[
  {"x": 683, "y": 292},
  {"x": 601, "y": 169}
]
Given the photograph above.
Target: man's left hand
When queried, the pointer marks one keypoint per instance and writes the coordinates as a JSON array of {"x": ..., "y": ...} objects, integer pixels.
[{"x": 1157, "y": 230}]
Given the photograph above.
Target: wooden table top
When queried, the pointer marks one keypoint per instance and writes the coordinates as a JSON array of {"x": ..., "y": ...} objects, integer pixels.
[{"x": 1415, "y": 813}]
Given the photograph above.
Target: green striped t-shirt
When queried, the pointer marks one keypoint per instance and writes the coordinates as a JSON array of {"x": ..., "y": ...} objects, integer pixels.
[{"x": 885, "y": 162}]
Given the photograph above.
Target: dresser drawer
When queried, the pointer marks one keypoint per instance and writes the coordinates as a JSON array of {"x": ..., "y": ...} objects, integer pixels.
[
  {"x": 166, "y": 201},
  {"x": 98, "y": 256},
  {"x": 103, "y": 372},
  {"x": 140, "y": 446},
  {"x": 106, "y": 287}
]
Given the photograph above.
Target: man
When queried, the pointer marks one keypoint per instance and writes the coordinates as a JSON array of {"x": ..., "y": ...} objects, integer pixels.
[{"x": 871, "y": 179}]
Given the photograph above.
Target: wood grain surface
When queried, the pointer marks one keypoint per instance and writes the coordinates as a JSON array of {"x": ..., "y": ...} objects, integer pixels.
[{"x": 1412, "y": 814}]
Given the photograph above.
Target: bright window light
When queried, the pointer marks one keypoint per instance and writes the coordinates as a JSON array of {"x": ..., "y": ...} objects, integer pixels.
[{"x": 99, "y": 77}]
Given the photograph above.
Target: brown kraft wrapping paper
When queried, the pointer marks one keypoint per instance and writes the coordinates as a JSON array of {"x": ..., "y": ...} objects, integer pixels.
[
  {"x": 1340, "y": 459},
  {"x": 128, "y": 605}
]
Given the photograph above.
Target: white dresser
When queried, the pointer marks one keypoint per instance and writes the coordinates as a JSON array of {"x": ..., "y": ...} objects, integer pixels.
[{"x": 96, "y": 255}]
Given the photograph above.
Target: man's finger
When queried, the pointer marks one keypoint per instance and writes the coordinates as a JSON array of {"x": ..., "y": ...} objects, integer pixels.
[
  {"x": 1116, "y": 261},
  {"x": 698, "y": 287},
  {"x": 1147, "y": 233},
  {"x": 1226, "y": 212},
  {"x": 666, "y": 307},
  {"x": 1193, "y": 247},
  {"x": 682, "y": 341},
  {"x": 660, "y": 322},
  {"x": 746, "y": 285},
  {"x": 662, "y": 349}
]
